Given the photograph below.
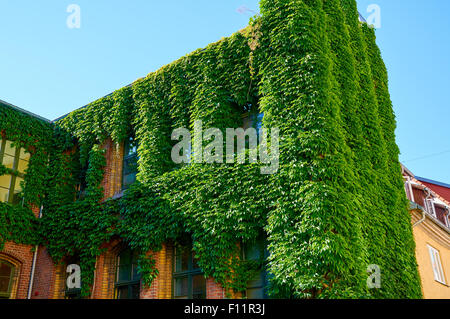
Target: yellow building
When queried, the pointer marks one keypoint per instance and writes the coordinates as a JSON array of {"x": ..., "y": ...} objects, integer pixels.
[{"x": 431, "y": 228}]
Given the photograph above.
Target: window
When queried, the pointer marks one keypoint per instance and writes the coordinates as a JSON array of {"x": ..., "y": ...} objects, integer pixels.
[
  {"x": 188, "y": 279},
  {"x": 128, "y": 284},
  {"x": 436, "y": 264},
  {"x": 253, "y": 119},
  {"x": 7, "y": 272},
  {"x": 429, "y": 206},
  {"x": 256, "y": 287},
  {"x": 16, "y": 159},
  {"x": 408, "y": 188},
  {"x": 129, "y": 163},
  {"x": 441, "y": 214}
]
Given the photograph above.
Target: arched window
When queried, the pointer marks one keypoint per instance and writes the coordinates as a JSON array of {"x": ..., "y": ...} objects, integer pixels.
[
  {"x": 128, "y": 280},
  {"x": 7, "y": 271}
]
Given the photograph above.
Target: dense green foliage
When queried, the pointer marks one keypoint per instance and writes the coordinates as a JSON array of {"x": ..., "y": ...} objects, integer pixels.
[
  {"x": 19, "y": 223},
  {"x": 335, "y": 206}
]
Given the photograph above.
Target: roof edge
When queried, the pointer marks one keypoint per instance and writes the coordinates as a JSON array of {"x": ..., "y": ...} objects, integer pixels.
[
  {"x": 4, "y": 103},
  {"x": 430, "y": 181}
]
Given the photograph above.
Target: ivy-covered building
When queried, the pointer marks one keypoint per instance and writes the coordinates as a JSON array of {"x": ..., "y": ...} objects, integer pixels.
[
  {"x": 21, "y": 134},
  {"x": 141, "y": 226}
]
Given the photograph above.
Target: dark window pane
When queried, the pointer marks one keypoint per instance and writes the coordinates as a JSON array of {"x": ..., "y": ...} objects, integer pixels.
[
  {"x": 255, "y": 293},
  {"x": 128, "y": 277},
  {"x": 198, "y": 287},
  {"x": 135, "y": 291},
  {"x": 181, "y": 287},
  {"x": 122, "y": 292},
  {"x": 125, "y": 257},
  {"x": 4, "y": 284},
  {"x": 130, "y": 147},
  {"x": 256, "y": 252},
  {"x": 124, "y": 273},
  {"x": 257, "y": 281},
  {"x": 189, "y": 282},
  {"x": 258, "y": 120},
  {"x": 135, "y": 274},
  {"x": 441, "y": 214},
  {"x": 128, "y": 180},
  {"x": 130, "y": 165},
  {"x": 252, "y": 252},
  {"x": 5, "y": 269},
  {"x": 125, "y": 266},
  {"x": 6, "y": 272},
  {"x": 182, "y": 259}
]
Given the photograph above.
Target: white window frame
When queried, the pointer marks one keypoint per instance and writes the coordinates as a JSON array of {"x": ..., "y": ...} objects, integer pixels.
[
  {"x": 408, "y": 188},
  {"x": 429, "y": 206},
  {"x": 436, "y": 264},
  {"x": 448, "y": 216}
]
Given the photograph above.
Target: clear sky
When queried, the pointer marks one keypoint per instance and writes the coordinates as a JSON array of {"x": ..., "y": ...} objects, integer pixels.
[{"x": 50, "y": 69}]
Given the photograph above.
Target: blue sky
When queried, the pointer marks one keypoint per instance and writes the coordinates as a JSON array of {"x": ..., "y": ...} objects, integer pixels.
[{"x": 49, "y": 69}]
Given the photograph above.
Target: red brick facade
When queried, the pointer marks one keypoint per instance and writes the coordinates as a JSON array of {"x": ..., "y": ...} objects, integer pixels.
[
  {"x": 49, "y": 279},
  {"x": 21, "y": 257}
]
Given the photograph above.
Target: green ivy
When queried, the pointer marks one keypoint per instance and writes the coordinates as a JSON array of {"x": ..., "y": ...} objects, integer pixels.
[
  {"x": 336, "y": 205},
  {"x": 19, "y": 224}
]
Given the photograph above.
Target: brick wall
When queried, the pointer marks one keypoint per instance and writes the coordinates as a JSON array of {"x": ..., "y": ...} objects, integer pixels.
[
  {"x": 161, "y": 287},
  {"x": 112, "y": 180},
  {"x": 50, "y": 279},
  {"x": 44, "y": 277},
  {"x": 214, "y": 290},
  {"x": 21, "y": 256}
]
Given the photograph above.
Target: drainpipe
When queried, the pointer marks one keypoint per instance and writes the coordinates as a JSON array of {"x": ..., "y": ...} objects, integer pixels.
[
  {"x": 424, "y": 216},
  {"x": 33, "y": 266}
]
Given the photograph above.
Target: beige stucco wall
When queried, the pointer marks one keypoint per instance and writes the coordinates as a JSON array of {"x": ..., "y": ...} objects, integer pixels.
[{"x": 429, "y": 233}]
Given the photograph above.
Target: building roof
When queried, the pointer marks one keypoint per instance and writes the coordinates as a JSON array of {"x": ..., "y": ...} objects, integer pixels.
[
  {"x": 9, "y": 105},
  {"x": 440, "y": 188}
]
